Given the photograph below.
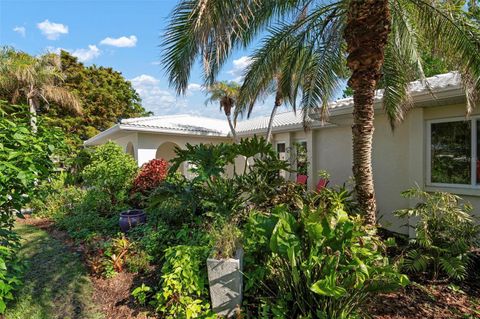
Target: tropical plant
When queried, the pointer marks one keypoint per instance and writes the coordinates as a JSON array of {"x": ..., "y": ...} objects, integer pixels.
[
  {"x": 226, "y": 93},
  {"x": 227, "y": 239},
  {"x": 111, "y": 172},
  {"x": 36, "y": 79},
  {"x": 379, "y": 40},
  {"x": 445, "y": 233},
  {"x": 141, "y": 293},
  {"x": 324, "y": 264},
  {"x": 25, "y": 162},
  {"x": 183, "y": 286}
]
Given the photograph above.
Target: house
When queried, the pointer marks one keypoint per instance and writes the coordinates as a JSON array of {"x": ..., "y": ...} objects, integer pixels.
[{"x": 435, "y": 147}]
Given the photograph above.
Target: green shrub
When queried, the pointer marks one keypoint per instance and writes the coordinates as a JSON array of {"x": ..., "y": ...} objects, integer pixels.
[
  {"x": 321, "y": 264},
  {"x": 444, "y": 234},
  {"x": 25, "y": 161},
  {"x": 183, "y": 291},
  {"x": 111, "y": 173}
]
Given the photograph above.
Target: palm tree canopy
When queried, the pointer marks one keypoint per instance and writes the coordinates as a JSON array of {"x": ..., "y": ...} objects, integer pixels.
[
  {"x": 39, "y": 78},
  {"x": 224, "y": 92},
  {"x": 310, "y": 52}
]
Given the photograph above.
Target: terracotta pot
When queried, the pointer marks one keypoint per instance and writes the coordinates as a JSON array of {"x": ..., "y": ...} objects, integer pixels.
[{"x": 131, "y": 218}]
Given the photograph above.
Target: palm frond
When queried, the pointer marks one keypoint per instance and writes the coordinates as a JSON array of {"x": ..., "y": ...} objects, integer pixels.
[
  {"x": 62, "y": 96},
  {"x": 455, "y": 39},
  {"x": 210, "y": 30}
]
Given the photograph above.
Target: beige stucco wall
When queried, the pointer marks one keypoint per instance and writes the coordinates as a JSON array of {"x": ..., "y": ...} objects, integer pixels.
[{"x": 398, "y": 157}]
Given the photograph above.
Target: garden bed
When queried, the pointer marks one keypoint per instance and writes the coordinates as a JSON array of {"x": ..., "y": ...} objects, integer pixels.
[{"x": 428, "y": 300}]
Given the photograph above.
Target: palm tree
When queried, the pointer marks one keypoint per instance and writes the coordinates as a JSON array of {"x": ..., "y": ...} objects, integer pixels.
[
  {"x": 37, "y": 80},
  {"x": 379, "y": 40},
  {"x": 226, "y": 93}
]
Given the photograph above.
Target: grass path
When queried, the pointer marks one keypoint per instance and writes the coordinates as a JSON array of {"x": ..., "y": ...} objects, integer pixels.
[{"x": 56, "y": 282}]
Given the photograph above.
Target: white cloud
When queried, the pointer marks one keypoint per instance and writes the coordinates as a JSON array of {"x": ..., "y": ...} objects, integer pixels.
[
  {"x": 154, "y": 98},
  {"x": 144, "y": 80},
  {"x": 122, "y": 42},
  {"x": 239, "y": 66},
  {"x": 195, "y": 87},
  {"x": 85, "y": 55},
  {"x": 51, "y": 30},
  {"x": 20, "y": 30}
]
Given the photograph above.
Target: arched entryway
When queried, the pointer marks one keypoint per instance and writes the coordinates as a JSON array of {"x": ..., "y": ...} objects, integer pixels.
[
  {"x": 166, "y": 151},
  {"x": 130, "y": 149}
]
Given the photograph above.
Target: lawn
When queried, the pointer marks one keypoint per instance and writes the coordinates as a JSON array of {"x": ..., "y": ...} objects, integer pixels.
[{"x": 56, "y": 283}]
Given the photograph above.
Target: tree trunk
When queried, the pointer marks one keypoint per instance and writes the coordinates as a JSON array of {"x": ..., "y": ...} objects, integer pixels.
[
  {"x": 276, "y": 105},
  {"x": 366, "y": 34},
  {"x": 33, "y": 114},
  {"x": 232, "y": 128}
]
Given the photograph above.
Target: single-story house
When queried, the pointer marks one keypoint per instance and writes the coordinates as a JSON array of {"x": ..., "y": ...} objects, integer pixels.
[{"x": 435, "y": 147}]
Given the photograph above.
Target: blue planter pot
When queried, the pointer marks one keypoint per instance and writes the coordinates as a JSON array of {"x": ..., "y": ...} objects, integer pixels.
[{"x": 131, "y": 218}]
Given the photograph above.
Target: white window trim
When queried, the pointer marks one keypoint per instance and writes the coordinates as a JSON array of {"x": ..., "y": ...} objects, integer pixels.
[{"x": 473, "y": 155}]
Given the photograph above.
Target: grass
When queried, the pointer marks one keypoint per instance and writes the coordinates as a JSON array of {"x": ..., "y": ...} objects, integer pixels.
[{"x": 56, "y": 282}]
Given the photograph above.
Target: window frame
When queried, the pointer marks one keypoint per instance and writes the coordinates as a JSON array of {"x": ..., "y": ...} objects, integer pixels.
[{"x": 473, "y": 156}]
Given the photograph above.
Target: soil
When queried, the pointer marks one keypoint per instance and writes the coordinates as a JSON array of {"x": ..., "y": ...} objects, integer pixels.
[{"x": 429, "y": 300}]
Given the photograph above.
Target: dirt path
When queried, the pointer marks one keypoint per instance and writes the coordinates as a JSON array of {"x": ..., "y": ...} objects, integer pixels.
[{"x": 57, "y": 284}]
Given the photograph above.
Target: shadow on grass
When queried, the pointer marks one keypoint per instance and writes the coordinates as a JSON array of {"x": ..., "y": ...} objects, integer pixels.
[{"x": 56, "y": 282}]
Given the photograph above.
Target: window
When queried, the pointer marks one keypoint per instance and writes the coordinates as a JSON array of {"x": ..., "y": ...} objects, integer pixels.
[
  {"x": 454, "y": 153},
  {"x": 301, "y": 157},
  {"x": 281, "y": 151}
]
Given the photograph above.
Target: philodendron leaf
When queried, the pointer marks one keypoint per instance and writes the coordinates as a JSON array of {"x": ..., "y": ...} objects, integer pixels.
[{"x": 327, "y": 287}]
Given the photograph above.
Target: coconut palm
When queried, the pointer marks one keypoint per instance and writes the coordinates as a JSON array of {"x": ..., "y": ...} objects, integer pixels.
[
  {"x": 36, "y": 80},
  {"x": 226, "y": 93},
  {"x": 379, "y": 40}
]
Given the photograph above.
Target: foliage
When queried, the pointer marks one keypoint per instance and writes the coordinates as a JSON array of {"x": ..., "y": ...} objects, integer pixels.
[
  {"x": 183, "y": 286},
  {"x": 111, "y": 172},
  {"x": 34, "y": 80},
  {"x": 141, "y": 293},
  {"x": 11, "y": 267},
  {"x": 321, "y": 263},
  {"x": 150, "y": 176},
  {"x": 227, "y": 239},
  {"x": 444, "y": 235},
  {"x": 25, "y": 160}
]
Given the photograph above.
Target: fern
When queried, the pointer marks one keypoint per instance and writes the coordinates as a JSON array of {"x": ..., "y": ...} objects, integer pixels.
[{"x": 445, "y": 233}]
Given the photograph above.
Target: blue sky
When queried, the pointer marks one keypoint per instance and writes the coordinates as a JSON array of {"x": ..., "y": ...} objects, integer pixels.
[{"x": 121, "y": 34}]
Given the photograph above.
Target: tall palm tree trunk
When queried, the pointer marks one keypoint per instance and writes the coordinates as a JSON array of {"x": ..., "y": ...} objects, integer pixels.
[
  {"x": 33, "y": 114},
  {"x": 366, "y": 34},
  {"x": 232, "y": 128},
  {"x": 276, "y": 105}
]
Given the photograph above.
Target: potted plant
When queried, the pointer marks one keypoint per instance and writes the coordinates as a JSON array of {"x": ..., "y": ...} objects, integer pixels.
[
  {"x": 225, "y": 269},
  {"x": 131, "y": 218}
]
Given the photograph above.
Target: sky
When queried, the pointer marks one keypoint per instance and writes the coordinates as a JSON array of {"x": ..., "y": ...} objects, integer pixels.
[{"x": 121, "y": 34}]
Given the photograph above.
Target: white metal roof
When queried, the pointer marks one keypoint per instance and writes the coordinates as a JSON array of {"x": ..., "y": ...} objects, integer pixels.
[
  {"x": 447, "y": 84},
  {"x": 183, "y": 123}
]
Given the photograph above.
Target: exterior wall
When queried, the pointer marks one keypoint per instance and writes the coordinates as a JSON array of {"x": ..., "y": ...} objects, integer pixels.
[{"x": 398, "y": 158}]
